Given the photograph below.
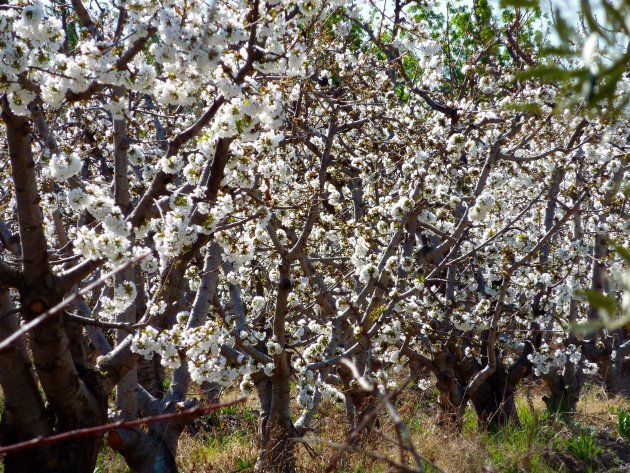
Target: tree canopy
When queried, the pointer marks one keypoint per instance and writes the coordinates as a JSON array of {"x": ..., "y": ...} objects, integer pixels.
[{"x": 314, "y": 201}]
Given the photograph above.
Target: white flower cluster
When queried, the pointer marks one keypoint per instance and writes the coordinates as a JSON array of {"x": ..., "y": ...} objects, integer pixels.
[
  {"x": 257, "y": 303},
  {"x": 247, "y": 385},
  {"x": 402, "y": 207},
  {"x": 308, "y": 385},
  {"x": 172, "y": 234},
  {"x": 200, "y": 347},
  {"x": 366, "y": 273},
  {"x": 456, "y": 143},
  {"x": 477, "y": 319},
  {"x": 545, "y": 361},
  {"x": 361, "y": 258},
  {"x": 273, "y": 347},
  {"x": 29, "y": 39},
  {"x": 391, "y": 333},
  {"x": 124, "y": 295},
  {"x": 63, "y": 166},
  {"x": 251, "y": 337},
  {"x": 112, "y": 241},
  {"x": 482, "y": 207},
  {"x": 316, "y": 350}
]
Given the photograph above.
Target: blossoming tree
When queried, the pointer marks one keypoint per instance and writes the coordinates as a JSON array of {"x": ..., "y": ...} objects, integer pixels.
[{"x": 278, "y": 187}]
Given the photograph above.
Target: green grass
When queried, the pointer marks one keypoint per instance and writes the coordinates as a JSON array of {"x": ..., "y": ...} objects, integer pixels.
[
  {"x": 516, "y": 447},
  {"x": 109, "y": 461},
  {"x": 623, "y": 423},
  {"x": 584, "y": 447},
  {"x": 219, "y": 442},
  {"x": 470, "y": 420}
]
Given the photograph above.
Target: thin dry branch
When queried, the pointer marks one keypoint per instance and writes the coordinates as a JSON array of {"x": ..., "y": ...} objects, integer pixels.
[
  {"x": 101, "y": 429},
  {"x": 103, "y": 324},
  {"x": 56, "y": 310}
]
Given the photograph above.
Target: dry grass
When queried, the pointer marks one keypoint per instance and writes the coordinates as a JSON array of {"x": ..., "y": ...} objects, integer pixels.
[
  {"x": 596, "y": 407},
  {"x": 232, "y": 453},
  {"x": 226, "y": 441}
]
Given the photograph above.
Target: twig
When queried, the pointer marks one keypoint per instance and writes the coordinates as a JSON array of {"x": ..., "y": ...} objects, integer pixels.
[
  {"x": 101, "y": 429},
  {"x": 102, "y": 324},
  {"x": 354, "y": 435},
  {"x": 351, "y": 448},
  {"x": 6, "y": 343}
]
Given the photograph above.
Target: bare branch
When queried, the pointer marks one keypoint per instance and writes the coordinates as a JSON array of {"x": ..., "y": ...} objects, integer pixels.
[
  {"x": 101, "y": 429},
  {"x": 58, "y": 309},
  {"x": 30, "y": 216},
  {"x": 9, "y": 276},
  {"x": 75, "y": 275},
  {"x": 100, "y": 323},
  {"x": 85, "y": 19}
]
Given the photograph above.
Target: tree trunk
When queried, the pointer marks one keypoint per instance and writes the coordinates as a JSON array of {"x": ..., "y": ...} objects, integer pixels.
[
  {"x": 143, "y": 453},
  {"x": 614, "y": 371},
  {"x": 564, "y": 390},
  {"x": 617, "y": 377},
  {"x": 494, "y": 402},
  {"x": 263, "y": 389},
  {"x": 24, "y": 415},
  {"x": 276, "y": 451},
  {"x": 451, "y": 399},
  {"x": 151, "y": 376},
  {"x": 72, "y": 390}
]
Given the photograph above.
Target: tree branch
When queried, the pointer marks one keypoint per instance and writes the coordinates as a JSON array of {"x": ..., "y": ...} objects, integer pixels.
[{"x": 101, "y": 429}]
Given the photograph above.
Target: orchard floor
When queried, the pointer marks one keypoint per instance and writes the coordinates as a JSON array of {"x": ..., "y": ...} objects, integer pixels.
[{"x": 226, "y": 441}]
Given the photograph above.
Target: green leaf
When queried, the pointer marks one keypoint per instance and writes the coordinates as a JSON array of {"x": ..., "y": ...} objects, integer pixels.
[
  {"x": 590, "y": 19},
  {"x": 561, "y": 51},
  {"x": 519, "y": 3},
  {"x": 562, "y": 27},
  {"x": 610, "y": 78},
  {"x": 600, "y": 301},
  {"x": 551, "y": 73},
  {"x": 595, "y": 325},
  {"x": 623, "y": 252}
]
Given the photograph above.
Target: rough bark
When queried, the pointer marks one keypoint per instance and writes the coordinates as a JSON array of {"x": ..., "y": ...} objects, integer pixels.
[
  {"x": 143, "y": 453},
  {"x": 24, "y": 415},
  {"x": 276, "y": 450},
  {"x": 564, "y": 390},
  {"x": 494, "y": 401},
  {"x": 29, "y": 213},
  {"x": 72, "y": 391},
  {"x": 276, "y": 444},
  {"x": 126, "y": 390}
]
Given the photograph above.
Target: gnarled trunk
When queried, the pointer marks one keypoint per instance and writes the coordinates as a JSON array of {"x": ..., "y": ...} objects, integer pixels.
[
  {"x": 143, "y": 453},
  {"x": 564, "y": 390},
  {"x": 612, "y": 364},
  {"x": 276, "y": 450},
  {"x": 24, "y": 415},
  {"x": 616, "y": 376},
  {"x": 451, "y": 401},
  {"x": 359, "y": 403},
  {"x": 494, "y": 402}
]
